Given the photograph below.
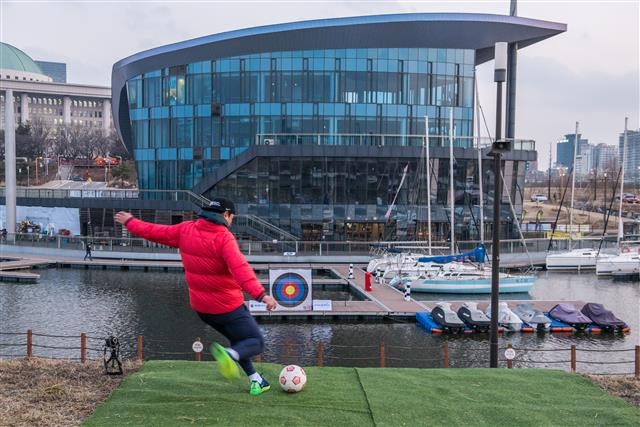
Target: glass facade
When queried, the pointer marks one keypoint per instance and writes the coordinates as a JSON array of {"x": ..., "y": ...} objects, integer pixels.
[{"x": 188, "y": 120}]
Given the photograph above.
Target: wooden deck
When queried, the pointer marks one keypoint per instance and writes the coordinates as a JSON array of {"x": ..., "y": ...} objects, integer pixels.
[{"x": 19, "y": 276}]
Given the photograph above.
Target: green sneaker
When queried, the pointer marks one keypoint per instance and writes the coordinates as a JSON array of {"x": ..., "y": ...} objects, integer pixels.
[
  {"x": 258, "y": 387},
  {"x": 226, "y": 365}
]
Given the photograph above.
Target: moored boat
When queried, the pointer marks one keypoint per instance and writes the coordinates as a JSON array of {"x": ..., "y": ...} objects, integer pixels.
[
  {"x": 603, "y": 318},
  {"x": 444, "y": 316},
  {"x": 623, "y": 265},
  {"x": 474, "y": 317},
  {"x": 532, "y": 317},
  {"x": 576, "y": 259},
  {"x": 506, "y": 317},
  {"x": 465, "y": 281},
  {"x": 569, "y": 314}
]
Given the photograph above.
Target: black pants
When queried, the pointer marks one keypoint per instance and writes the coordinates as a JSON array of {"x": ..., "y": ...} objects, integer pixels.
[{"x": 242, "y": 331}]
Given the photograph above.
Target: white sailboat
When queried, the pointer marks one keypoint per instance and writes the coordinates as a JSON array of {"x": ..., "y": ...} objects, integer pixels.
[
  {"x": 461, "y": 278},
  {"x": 627, "y": 263},
  {"x": 574, "y": 259}
]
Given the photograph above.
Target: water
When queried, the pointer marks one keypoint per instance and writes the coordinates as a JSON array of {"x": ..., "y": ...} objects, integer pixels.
[{"x": 68, "y": 302}]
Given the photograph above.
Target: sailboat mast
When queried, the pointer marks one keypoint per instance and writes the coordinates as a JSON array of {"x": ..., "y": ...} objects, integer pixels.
[
  {"x": 451, "y": 182},
  {"x": 576, "y": 140},
  {"x": 623, "y": 159},
  {"x": 428, "y": 160},
  {"x": 480, "y": 186}
]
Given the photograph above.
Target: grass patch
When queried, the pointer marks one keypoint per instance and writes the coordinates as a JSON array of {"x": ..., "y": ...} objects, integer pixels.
[{"x": 175, "y": 393}]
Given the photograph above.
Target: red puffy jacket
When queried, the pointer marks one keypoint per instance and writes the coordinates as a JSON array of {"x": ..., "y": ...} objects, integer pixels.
[{"x": 215, "y": 269}]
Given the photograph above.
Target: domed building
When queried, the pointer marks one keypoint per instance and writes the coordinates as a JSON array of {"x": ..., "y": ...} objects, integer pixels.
[
  {"x": 17, "y": 65},
  {"x": 37, "y": 96},
  {"x": 29, "y": 95}
]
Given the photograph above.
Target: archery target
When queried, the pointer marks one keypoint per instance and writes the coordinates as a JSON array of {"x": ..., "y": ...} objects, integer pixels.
[{"x": 291, "y": 289}]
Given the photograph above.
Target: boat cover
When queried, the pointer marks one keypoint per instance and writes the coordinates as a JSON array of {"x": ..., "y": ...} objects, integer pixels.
[
  {"x": 475, "y": 315},
  {"x": 568, "y": 313},
  {"x": 600, "y": 315},
  {"x": 445, "y": 316},
  {"x": 478, "y": 254},
  {"x": 529, "y": 314}
]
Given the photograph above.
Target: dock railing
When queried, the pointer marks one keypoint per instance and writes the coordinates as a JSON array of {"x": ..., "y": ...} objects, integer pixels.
[
  {"x": 83, "y": 347},
  {"x": 292, "y": 248}
]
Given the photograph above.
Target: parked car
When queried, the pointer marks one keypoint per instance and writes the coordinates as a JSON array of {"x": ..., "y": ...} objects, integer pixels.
[
  {"x": 539, "y": 198},
  {"x": 106, "y": 161},
  {"x": 630, "y": 198}
]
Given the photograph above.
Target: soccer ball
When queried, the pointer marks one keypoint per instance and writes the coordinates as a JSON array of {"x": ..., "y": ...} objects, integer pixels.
[{"x": 292, "y": 378}]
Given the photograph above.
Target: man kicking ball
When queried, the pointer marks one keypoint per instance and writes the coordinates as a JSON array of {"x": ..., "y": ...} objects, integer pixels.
[{"x": 216, "y": 273}]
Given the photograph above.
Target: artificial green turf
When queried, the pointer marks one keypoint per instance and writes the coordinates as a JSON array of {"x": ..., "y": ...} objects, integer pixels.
[{"x": 175, "y": 393}]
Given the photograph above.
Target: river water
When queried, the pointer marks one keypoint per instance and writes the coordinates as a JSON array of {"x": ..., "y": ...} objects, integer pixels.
[{"x": 68, "y": 302}]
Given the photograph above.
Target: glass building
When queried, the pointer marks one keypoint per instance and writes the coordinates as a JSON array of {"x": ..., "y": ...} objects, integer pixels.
[{"x": 319, "y": 127}]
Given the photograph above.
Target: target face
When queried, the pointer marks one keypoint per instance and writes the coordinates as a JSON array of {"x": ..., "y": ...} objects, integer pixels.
[{"x": 291, "y": 289}]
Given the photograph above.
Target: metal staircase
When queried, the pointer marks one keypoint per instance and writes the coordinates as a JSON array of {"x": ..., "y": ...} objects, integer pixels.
[{"x": 261, "y": 229}]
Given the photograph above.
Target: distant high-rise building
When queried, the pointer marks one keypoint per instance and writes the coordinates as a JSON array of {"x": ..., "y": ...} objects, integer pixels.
[
  {"x": 565, "y": 150},
  {"x": 584, "y": 161},
  {"x": 632, "y": 156},
  {"x": 56, "y": 70},
  {"x": 604, "y": 157}
]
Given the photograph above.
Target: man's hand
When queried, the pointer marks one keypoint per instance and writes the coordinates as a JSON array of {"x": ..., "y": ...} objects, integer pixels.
[
  {"x": 122, "y": 217},
  {"x": 271, "y": 303}
]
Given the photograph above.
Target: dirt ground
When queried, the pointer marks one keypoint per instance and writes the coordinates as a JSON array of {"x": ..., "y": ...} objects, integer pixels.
[
  {"x": 64, "y": 393},
  {"x": 41, "y": 392}
]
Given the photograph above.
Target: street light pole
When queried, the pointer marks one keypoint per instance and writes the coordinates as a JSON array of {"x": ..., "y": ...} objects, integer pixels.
[{"x": 499, "y": 146}]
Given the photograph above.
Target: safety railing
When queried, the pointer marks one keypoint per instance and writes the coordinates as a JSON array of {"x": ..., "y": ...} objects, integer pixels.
[
  {"x": 381, "y": 140},
  {"x": 457, "y": 355},
  {"x": 104, "y": 245},
  {"x": 108, "y": 193}
]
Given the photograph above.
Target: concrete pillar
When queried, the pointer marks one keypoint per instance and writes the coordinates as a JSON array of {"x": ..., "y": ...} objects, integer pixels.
[
  {"x": 66, "y": 108},
  {"x": 24, "y": 108},
  {"x": 106, "y": 116},
  {"x": 10, "y": 164}
]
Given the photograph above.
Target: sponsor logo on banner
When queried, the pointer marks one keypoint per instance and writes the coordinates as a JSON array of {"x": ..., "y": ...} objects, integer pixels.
[
  {"x": 257, "y": 306},
  {"x": 322, "y": 305}
]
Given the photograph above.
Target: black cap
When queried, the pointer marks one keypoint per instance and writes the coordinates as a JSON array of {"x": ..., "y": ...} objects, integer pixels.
[{"x": 220, "y": 204}]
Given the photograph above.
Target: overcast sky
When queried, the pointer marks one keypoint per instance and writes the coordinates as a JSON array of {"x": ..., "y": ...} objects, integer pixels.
[{"x": 588, "y": 74}]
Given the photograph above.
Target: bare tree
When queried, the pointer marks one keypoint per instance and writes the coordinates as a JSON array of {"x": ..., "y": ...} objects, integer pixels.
[
  {"x": 77, "y": 142},
  {"x": 42, "y": 135},
  {"x": 25, "y": 145},
  {"x": 116, "y": 147}
]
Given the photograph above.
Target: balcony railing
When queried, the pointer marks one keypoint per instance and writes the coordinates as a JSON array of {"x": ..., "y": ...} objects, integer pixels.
[
  {"x": 108, "y": 193},
  {"x": 381, "y": 140}
]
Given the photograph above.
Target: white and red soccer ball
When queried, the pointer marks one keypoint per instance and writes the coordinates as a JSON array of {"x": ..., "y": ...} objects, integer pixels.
[{"x": 292, "y": 378}]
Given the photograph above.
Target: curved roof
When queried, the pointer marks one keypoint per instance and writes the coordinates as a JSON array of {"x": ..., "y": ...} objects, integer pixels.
[
  {"x": 432, "y": 30},
  {"x": 12, "y": 58}
]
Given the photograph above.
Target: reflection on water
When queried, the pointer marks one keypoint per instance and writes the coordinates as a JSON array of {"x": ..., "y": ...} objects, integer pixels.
[{"x": 155, "y": 305}]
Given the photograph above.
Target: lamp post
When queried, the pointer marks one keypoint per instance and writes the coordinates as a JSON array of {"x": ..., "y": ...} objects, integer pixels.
[{"x": 499, "y": 146}]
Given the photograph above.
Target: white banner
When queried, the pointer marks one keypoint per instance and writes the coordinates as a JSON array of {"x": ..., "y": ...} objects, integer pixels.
[{"x": 50, "y": 220}]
